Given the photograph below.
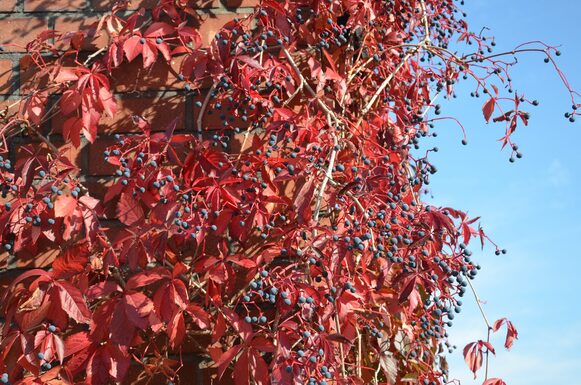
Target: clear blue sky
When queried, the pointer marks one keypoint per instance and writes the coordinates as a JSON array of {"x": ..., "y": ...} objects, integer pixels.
[{"x": 530, "y": 207}]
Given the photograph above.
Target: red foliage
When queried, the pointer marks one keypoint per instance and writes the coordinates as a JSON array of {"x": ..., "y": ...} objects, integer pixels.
[{"x": 308, "y": 253}]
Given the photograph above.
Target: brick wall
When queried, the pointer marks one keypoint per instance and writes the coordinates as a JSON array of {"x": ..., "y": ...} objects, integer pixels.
[{"x": 156, "y": 94}]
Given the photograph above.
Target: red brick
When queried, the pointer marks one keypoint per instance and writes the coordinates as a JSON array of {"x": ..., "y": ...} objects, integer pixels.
[
  {"x": 7, "y": 277},
  {"x": 105, "y": 5},
  {"x": 72, "y": 153},
  {"x": 241, "y": 3},
  {"x": 16, "y": 32},
  {"x": 54, "y": 5},
  {"x": 209, "y": 376},
  {"x": 7, "y": 105},
  {"x": 7, "y": 5},
  {"x": 37, "y": 260},
  {"x": 30, "y": 77},
  {"x": 4, "y": 258},
  {"x": 160, "y": 76},
  {"x": 5, "y": 76},
  {"x": 158, "y": 111},
  {"x": 98, "y": 188},
  {"x": 210, "y": 24},
  {"x": 241, "y": 143},
  {"x": 85, "y": 24},
  {"x": 212, "y": 116},
  {"x": 187, "y": 374}
]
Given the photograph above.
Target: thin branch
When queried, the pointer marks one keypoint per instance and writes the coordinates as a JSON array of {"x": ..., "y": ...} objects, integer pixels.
[
  {"x": 204, "y": 106},
  {"x": 424, "y": 43},
  {"x": 307, "y": 85},
  {"x": 94, "y": 55},
  {"x": 299, "y": 89},
  {"x": 426, "y": 22},
  {"x": 488, "y": 326},
  {"x": 326, "y": 179},
  {"x": 479, "y": 304}
]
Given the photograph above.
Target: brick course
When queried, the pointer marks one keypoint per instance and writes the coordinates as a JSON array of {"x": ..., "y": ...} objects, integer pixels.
[
  {"x": 54, "y": 5},
  {"x": 16, "y": 31},
  {"x": 7, "y": 5}
]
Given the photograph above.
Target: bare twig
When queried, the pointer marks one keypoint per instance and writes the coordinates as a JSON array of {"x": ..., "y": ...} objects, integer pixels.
[
  {"x": 93, "y": 55},
  {"x": 204, "y": 106},
  {"x": 294, "y": 94},
  {"x": 424, "y": 43},
  {"x": 330, "y": 167},
  {"x": 307, "y": 85},
  {"x": 488, "y": 326}
]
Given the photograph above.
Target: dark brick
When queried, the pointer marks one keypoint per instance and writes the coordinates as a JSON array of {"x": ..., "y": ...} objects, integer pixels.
[
  {"x": 5, "y": 76},
  {"x": 54, "y": 5},
  {"x": 16, "y": 32},
  {"x": 93, "y": 42},
  {"x": 7, "y": 5}
]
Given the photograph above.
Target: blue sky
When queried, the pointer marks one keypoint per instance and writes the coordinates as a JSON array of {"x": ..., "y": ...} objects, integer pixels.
[{"x": 530, "y": 207}]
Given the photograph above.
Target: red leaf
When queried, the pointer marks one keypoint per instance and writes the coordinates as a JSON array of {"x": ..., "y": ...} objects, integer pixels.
[
  {"x": 149, "y": 53},
  {"x": 64, "y": 206},
  {"x": 488, "y": 346},
  {"x": 219, "y": 328},
  {"x": 72, "y": 302},
  {"x": 159, "y": 29},
  {"x": 242, "y": 327},
  {"x": 89, "y": 202},
  {"x": 302, "y": 203},
  {"x": 262, "y": 344},
  {"x": 70, "y": 101},
  {"x": 77, "y": 342},
  {"x": 259, "y": 369},
  {"x": 250, "y": 61},
  {"x": 147, "y": 277},
  {"x": 226, "y": 358},
  {"x": 129, "y": 210},
  {"x": 488, "y": 108},
  {"x": 244, "y": 262},
  {"x": 176, "y": 329},
  {"x": 132, "y": 47},
  {"x": 241, "y": 369},
  {"x": 409, "y": 287},
  {"x": 103, "y": 289},
  {"x": 108, "y": 101},
  {"x": 494, "y": 381},
  {"x": 35, "y": 106},
  {"x": 473, "y": 356},
  {"x": 511, "y": 332},
  {"x": 72, "y": 130},
  {"x": 338, "y": 338},
  {"x": 330, "y": 60},
  {"x": 137, "y": 307},
  {"x": 199, "y": 315},
  {"x": 66, "y": 75}
]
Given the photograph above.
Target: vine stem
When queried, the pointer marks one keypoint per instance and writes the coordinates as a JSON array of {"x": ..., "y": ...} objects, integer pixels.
[
  {"x": 488, "y": 326},
  {"x": 424, "y": 43},
  {"x": 93, "y": 55},
  {"x": 204, "y": 106},
  {"x": 323, "y": 186},
  {"x": 307, "y": 85},
  {"x": 477, "y": 298},
  {"x": 327, "y": 177}
]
